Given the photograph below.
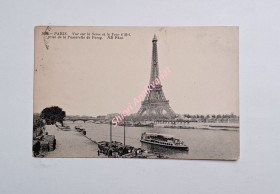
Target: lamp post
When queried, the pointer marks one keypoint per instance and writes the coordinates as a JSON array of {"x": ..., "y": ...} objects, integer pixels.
[
  {"x": 124, "y": 131},
  {"x": 110, "y": 131}
]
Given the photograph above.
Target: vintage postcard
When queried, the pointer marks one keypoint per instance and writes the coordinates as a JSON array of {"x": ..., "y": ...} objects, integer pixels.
[{"x": 136, "y": 92}]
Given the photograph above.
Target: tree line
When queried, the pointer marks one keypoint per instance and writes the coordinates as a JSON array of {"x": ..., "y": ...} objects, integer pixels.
[
  {"x": 48, "y": 116},
  {"x": 213, "y": 116}
]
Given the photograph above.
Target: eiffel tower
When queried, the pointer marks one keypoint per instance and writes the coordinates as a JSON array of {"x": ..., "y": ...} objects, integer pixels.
[{"x": 155, "y": 105}]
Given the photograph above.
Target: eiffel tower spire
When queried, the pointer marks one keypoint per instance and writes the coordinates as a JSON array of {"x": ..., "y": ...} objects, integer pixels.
[
  {"x": 154, "y": 66},
  {"x": 155, "y": 105}
]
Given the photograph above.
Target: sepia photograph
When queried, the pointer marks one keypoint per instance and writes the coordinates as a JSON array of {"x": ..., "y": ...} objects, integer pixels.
[{"x": 136, "y": 92}]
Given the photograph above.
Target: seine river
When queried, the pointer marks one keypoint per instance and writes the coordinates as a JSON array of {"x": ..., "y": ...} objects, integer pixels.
[{"x": 203, "y": 144}]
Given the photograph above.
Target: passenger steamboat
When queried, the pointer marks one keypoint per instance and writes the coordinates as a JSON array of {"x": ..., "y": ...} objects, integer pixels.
[{"x": 163, "y": 140}]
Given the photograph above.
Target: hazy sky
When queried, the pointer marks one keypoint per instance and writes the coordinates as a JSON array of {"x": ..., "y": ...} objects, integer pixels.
[{"x": 97, "y": 77}]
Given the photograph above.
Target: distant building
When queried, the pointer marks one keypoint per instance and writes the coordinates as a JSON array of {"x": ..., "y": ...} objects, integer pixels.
[
  {"x": 101, "y": 117},
  {"x": 112, "y": 115}
]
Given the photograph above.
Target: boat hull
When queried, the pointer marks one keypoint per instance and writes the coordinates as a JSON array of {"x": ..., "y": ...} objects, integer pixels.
[{"x": 186, "y": 148}]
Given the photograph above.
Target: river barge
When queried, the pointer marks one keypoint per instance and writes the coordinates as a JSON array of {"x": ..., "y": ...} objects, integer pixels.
[{"x": 164, "y": 140}]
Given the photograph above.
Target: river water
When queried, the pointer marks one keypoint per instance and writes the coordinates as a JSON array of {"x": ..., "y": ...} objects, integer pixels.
[{"x": 202, "y": 143}]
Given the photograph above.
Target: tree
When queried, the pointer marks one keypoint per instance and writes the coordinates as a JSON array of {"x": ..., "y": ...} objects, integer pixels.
[
  {"x": 52, "y": 115},
  {"x": 187, "y": 116},
  {"x": 38, "y": 125}
]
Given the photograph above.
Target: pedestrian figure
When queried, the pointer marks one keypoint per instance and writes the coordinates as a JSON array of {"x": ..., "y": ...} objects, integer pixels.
[
  {"x": 110, "y": 153},
  {"x": 98, "y": 152}
]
